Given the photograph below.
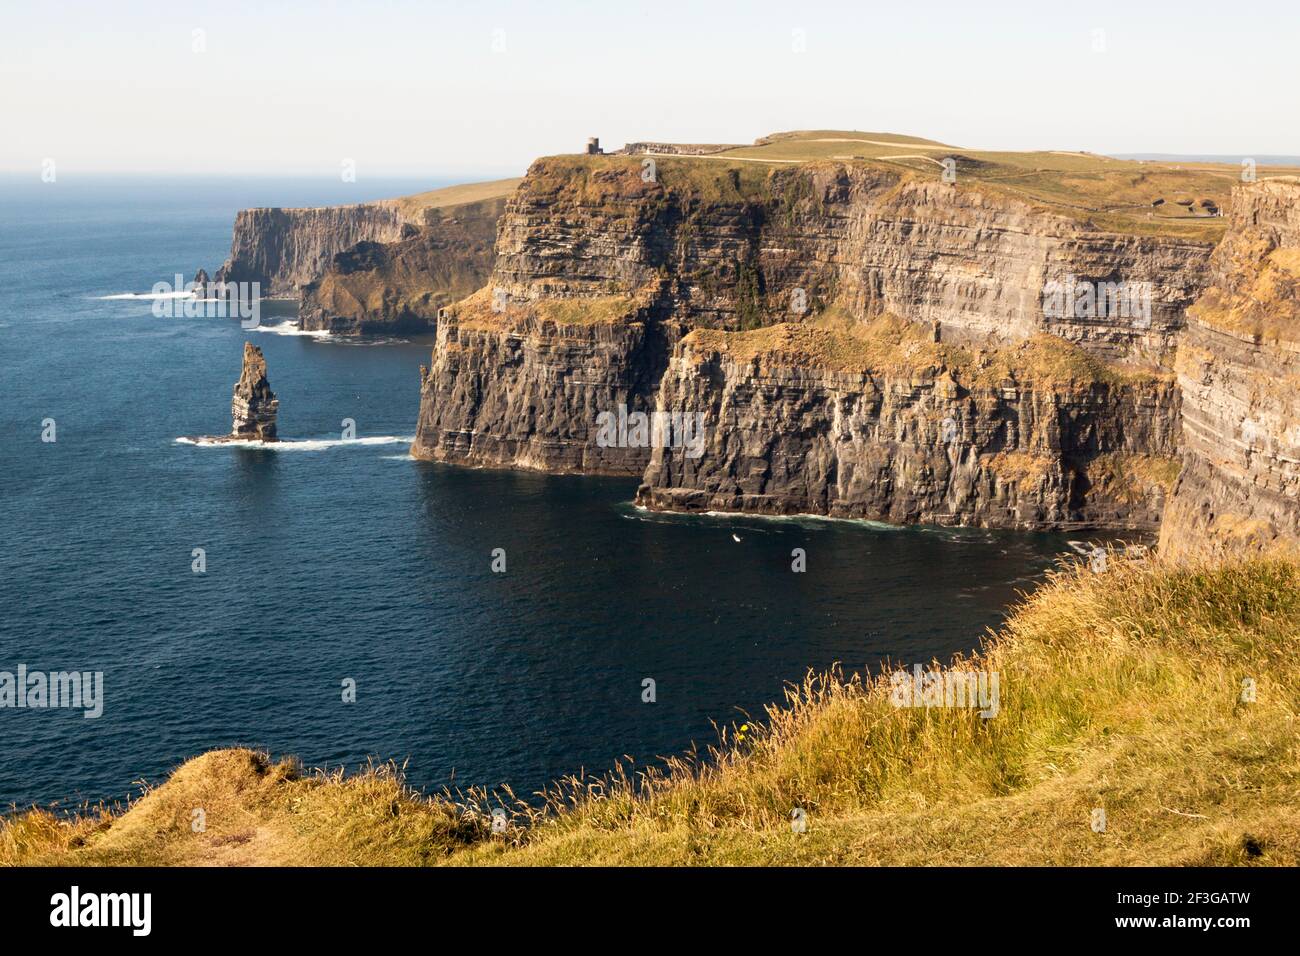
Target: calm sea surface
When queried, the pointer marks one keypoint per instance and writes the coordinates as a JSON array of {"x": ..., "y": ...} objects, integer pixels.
[{"x": 329, "y": 561}]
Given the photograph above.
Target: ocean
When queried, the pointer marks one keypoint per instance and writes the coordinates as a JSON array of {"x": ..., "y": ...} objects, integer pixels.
[{"x": 330, "y": 564}]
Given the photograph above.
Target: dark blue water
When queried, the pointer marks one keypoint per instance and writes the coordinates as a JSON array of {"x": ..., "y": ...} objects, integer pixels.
[{"x": 354, "y": 562}]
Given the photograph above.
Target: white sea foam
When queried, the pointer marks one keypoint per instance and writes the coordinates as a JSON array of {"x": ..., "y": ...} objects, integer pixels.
[
  {"x": 803, "y": 517},
  {"x": 291, "y": 328},
  {"x": 303, "y": 444},
  {"x": 798, "y": 519},
  {"x": 148, "y": 295},
  {"x": 369, "y": 341}
]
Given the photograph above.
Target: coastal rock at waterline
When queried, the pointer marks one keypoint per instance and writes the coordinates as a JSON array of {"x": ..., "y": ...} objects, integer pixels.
[
  {"x": 254, "y": 405},
  {"x": 888, "y": 426}
]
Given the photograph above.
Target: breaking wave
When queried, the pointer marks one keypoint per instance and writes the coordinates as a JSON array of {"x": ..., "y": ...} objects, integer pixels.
[
  {"x": 290, "y": 328},
  {"x": 147, "y": 295},
  {"x": 303, "y": 444}
]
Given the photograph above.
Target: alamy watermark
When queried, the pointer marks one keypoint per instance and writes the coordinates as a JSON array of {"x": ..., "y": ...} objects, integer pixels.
[
  {"x": 75, "y": 690},
  {"x": 946, "y": 688},
  {"x": 660, "y": 429},
  {"x": 1074, "y": 298},
  {"x": 75, "y": 909},
  {"x": 213, "y": 300}
]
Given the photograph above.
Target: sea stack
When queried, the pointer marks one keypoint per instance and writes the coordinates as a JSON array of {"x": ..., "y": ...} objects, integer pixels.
[{"x": 254, "y": 405}]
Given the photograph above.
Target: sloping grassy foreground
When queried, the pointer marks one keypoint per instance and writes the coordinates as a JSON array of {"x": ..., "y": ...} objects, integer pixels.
[{"x": 1120, "y": 691}]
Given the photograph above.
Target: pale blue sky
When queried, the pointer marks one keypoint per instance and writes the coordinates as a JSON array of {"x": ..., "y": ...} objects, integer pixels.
[{"x": 417, "y": 88}]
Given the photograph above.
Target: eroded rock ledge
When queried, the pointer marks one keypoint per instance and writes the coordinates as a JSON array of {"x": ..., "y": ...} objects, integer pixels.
[
  {"x": 883, "y": 424},
  {"x": 1239, "y": 373},
  {"x": 398, "y": 287},
  {"x": 679, "y": 294}
]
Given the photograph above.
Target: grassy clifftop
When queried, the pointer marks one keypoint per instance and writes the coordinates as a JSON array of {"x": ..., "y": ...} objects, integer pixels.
[
  {"x": 893, "y": 345},
  {"x": 1121, "y": 691},
  {"x": 413, "y": 207},
  {"x": 1072, "y": 182},
  {"x": 1172, "y": 199}
]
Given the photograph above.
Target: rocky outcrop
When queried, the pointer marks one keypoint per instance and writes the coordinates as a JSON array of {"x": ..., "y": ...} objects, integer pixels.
[
  {"x": 886, "y": 426},
  {"x": 615, "y": 291},
  {"x": 523, "y": 387},
  {"x": 284, "y": 249},
  {"x": 201, "y": 284},
  {"x": 740, "y": 247},
  {"x": 398, "y": 287},
  {"x": 1239, "y": 373},
  {"x": 254, "y": 406}
]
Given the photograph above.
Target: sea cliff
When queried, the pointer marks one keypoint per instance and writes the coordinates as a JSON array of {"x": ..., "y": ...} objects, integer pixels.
[
  {"x": 398, "y": 286},
  {"x": 1239, "y": 375},
  {"x": 378, "y": 267},
  {"x": 859, "y": 338},
  {"x": 673, "y": 283},
  {"x": 888, "y": 426},
  {"x": 283, "y": 249}
]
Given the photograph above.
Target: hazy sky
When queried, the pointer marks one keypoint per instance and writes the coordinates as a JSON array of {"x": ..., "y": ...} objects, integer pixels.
[{"x": 441, "y": 88}]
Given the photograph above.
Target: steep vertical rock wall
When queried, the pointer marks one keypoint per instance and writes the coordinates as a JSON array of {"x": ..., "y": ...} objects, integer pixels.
[
  {"x": 399, "y": 286},
  {"x": 736, "y": 247},
  {"x": 284, "y": 249},
  {"x": 635, "y": 258},
  {"x": 1239, "y": 373},
  {"x": 804, "y": 421},
  {"x": 524, "y": 388}
]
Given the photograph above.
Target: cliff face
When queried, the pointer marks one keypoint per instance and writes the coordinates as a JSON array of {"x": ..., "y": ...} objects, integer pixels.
[
  {"x": 524, "y": 388},
  {"x": 284, "y": 249},
  {"x": 800, "y": 420},
  {"x": 406, "y": 255},
  {"x": 738, "y": 248},
  {"x": 849, "y": 422},
  {"x": 399, "y": 286},
  {"x": 1239, "y": 372}
]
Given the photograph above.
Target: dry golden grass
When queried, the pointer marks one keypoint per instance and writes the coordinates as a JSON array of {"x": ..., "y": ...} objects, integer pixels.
[
  {"x": 1021, "y": 467},
  {"x": 1113, "y": 195},
  {"x": 460, "y": 195},
  {"x": 590, "y": 311},
  {"x": 1120, "y": 691},
  {"x": 1265, "y": 307},
  {"x": 1133, "y": 478},
  {"x": 889, "y": 345},
  {"x": 480, "y": 311}
]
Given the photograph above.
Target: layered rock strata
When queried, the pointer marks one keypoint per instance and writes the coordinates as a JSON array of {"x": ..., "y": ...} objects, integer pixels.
[
  {"x": 511, "y": 386},
  {"x": 398, "y": 287},
  {"x": 744, "y": 246},
  {"x": 253, "y": 406},
  {"x": 886, "y": 427},
  {"x": 617, "y": 291},
  {"x": 1239, "y": 373},
  {"x": 284, "y": 249}
]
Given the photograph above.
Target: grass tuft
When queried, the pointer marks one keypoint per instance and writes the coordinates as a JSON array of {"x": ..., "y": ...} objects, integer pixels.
[{"x": 1123, "y": 690}]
